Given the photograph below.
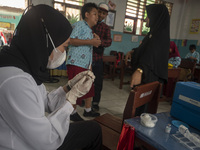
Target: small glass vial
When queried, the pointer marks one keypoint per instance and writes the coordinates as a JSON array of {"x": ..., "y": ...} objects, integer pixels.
[{"x": 168, "y": 128}]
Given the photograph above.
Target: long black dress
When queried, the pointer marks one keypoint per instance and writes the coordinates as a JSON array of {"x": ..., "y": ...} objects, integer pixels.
[{"x": 152, "y": 55}]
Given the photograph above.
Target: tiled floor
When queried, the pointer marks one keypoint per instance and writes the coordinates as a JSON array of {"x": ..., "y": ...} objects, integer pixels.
[{"x": 113, "y": 99}]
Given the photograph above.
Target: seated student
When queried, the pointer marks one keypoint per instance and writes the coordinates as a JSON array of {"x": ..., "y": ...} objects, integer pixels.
[
  {"x": 174, "y": 56},
  {"x": 193, "y": 54},
  {"x": 40, "y": 40}
]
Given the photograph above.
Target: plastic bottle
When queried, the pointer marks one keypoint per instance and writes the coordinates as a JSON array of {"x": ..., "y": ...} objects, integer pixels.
[{"x": 168, "y": 128}]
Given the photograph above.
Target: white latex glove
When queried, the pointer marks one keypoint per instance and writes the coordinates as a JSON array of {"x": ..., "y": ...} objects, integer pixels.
[
  {"x": 81, "y": 88},
  {"x": 79, "y": 76}
]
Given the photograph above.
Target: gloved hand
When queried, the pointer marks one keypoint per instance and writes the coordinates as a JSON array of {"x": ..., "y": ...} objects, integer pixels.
[
  {"x": 81, "y": 88},
  {"x": 79, "y": 76}
]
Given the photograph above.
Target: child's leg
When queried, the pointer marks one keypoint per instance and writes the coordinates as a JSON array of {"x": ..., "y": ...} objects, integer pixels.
[
  {"x": 88, "y": 112},
  {"x": 88, "y": 102},
  {"x": 72, "y": 72}
]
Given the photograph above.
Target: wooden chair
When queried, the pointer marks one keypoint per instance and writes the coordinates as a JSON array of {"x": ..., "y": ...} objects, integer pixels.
[
  {"x": 120, "y": 64},
  {"x": 109, "y": 72},
  {"x": 112, "y": 125},
  {"x": 117, "y": 66},
  {"x": 126, "y": 69},
  {"x": 187, "y": 64},
  {"x": 113, "y": 53},
  {"x": 168, "y": 88}
]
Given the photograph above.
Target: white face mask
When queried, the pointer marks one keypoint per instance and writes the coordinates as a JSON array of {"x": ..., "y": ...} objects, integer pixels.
[{"x": 58, "y": 59}]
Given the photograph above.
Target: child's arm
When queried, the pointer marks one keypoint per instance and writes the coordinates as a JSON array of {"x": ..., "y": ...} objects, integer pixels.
[{"x": 78, "y": 42}]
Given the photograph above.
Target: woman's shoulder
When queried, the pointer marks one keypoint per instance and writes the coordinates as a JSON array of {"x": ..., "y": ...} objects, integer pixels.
[{"x": 14, "y": 74}]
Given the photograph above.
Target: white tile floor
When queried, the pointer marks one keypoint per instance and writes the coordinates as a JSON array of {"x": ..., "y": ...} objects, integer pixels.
[{"x": 113, "y": 99}]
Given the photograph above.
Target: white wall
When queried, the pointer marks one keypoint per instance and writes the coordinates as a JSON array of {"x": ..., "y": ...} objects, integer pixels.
[
  {"x": 193, "y": 12},
  {"x": 176, "y": 18},
  {"x": 182, "y": 14}
]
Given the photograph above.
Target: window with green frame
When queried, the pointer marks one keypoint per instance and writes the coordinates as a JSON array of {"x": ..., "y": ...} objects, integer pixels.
[
  {"x": 71, "y": 9},
  {"x": 136, "y": 13}
]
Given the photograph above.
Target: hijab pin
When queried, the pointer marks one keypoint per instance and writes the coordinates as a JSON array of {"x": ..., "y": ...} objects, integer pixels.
[
  {"x": 150, "y": 35},
  {"x": 47, "y": 40}
]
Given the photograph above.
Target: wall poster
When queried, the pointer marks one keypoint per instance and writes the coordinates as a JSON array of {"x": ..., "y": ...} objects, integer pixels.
[{"x": 195, "y": 26}]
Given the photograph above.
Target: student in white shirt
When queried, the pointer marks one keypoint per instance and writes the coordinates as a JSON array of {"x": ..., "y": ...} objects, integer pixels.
[
  {"x": 39, "y": 43},
  {"x": 193, "y": 54}
]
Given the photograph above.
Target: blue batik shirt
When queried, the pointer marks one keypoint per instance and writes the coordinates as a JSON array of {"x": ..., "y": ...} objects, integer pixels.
[{"x": 80, "y": 56}]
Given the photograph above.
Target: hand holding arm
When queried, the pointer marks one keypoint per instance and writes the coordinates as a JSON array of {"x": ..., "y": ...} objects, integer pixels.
[
  {"x": 96, "y": 36},
  {"x": 78, "y": 42},
  {"x": 95, "y": 42}
]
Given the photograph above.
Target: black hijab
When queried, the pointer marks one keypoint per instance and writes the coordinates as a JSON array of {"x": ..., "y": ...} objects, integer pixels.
[
  {"x": 31, "y": 47},
  {"x": 154, "y": 51}
]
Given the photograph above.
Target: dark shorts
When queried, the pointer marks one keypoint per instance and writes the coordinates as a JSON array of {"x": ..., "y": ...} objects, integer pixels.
[{"x": 72, "y": 71}]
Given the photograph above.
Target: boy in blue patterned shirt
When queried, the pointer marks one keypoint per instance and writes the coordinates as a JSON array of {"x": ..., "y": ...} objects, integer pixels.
[
  {"x": 193, "y": 54},
  {"x": 80, "y": 52}
]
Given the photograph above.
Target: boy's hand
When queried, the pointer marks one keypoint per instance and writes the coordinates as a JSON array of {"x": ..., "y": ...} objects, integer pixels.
[
  {"x": 95, "y": 42},
  {"x": 96, "y": 36}
]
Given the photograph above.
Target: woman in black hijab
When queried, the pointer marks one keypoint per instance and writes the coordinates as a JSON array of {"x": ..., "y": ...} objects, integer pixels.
[
  {"x": 150, "y": 59},
  {"x": 39, "y": 43}
]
